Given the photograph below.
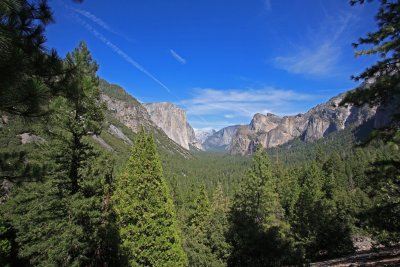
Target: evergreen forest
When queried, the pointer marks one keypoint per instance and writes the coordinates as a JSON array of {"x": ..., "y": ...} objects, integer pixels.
[{"x": 66, "y": 200}]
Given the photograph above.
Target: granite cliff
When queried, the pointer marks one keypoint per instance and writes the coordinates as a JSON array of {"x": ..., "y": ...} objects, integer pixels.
[
  {"x": 172, "y": 120},
  {"x": 124, "y": 111},
  {"x": 270, "y": 130}
]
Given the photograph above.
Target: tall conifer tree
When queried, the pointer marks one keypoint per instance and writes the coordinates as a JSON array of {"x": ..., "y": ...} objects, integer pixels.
[
  {"x": 145, "y": 211},
  {"x": 64, "y": 220},
  {"x": 258, "y": 228}
]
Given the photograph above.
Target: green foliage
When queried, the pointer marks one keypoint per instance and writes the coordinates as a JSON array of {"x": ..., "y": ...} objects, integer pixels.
[
  {"x": 145, "y": 212},
  {"x": 206, "y": 169},
  {"x": 30, "y": 75},
  {"x": 321, "y": 231},
  {"x": 5, "y": 243},
  {"x": 116, "y": 92},
  {"x": 385, "y": 43},
  {"x": 384, "y": 181},
  {"x": 385, "y": 40},
  {"x": 205, "y": 229},
  {"x": 258, "y": 232},
  {"x": 382, "y": 79},
  {"x": 64, "y": 219},
  {"x": 219, "y": 225},
  {"x": 65, "y": 211},
  {"x": 77, "y": 115}
]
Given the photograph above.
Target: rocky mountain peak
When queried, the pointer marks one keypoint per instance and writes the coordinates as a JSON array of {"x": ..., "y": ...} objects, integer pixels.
[
  {"x": 172, "y": 120},
  {"x": 270, "y": 130},
  {"x": 261, "y": 122}
]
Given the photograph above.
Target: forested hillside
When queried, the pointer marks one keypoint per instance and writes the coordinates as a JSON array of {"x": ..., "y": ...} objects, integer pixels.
[{"x": 87, "y": 179}]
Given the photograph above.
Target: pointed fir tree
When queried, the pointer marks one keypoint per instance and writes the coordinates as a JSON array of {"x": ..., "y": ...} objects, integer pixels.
[
  {"x": 198, "y": 229},
  {"x": 258, "y": 232},
  {"x": 145, "y": 211},
  {"x": 320, "y": 228},
  {"x": 218, "y": 226}
]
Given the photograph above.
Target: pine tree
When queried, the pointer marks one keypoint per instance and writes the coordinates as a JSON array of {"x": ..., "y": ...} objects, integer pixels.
[
  {"x": 258, "y": 230},
  {"x": 218, "y": 226},
  {"x": 204, "y": 234},
  {"x": 289, "y": 189},
  {"x": 384, "y": 89},
  {"x": 385, "y": 43},
  {"x": 63, "y": 219},
  {"x": 384, "y": 182},
  {"x": 145, "y": 212},
  {"x": 199, "y": 211},
  {"x": 30, "y": 75},
  {"x": 383, "y": 77},
  {"x": 318, "y": 226}
]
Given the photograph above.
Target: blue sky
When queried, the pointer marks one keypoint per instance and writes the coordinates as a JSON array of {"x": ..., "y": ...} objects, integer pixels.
[{"x": 220, "y": 60}]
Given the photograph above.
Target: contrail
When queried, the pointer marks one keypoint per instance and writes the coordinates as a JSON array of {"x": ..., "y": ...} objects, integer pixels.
[
  {"x": 177, "y": 57},
  {"x": 121, "y": 53},
  {"x": 97, "y": 20},
  {"x": 116, "y": 49}
]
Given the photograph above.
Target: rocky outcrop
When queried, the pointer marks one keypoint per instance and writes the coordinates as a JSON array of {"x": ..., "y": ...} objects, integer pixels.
[
  {"x": 103, "y": 143},
  {"x": 264, "y": 123},
  {"x": 172, "y": 120},
  {"x": 193, "y": 141},
  {"x": 271, "y": 131},
  {"x": 27, "y": 138},
  {"x": 131, "y": 113},
  {"x": 222, "y": 139},
  {"x": 114, "y": 130}
]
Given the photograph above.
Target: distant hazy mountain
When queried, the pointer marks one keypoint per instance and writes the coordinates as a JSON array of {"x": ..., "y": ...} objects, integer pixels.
[
  {"x": 201, "y": 135},
  {"x": 220, "y": 140}
]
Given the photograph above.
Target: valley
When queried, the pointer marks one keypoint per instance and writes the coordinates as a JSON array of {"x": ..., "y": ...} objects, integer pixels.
[{"x": 240, "y": 142}]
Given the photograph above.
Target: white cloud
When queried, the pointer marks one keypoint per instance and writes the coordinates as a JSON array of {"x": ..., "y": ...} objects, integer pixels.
[
  {"x": 243, "y": 102},
  {"x": 320, "y": 61},
  {"x": 177, "y": 57},
  {"x": 321, "y": 51},
  {"x": 214, "y": 124},
  {"x": 229, "y": 116}
]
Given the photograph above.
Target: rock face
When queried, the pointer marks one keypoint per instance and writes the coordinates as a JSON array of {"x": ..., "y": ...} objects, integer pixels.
[
  {"x": 270, "y": 130},
  {"x": 264, "y": 123},
  {"x": 131, "y": 113},
  {"x": 163, "y": 119},
  {"x": 193, "y": 141},
  {"x": 114, "y": 130},
  {"x": 27, "y": 138},
  {"x": 124, "y": 109},
  {"x": 222, "y": 139},
  {"x": 102, "y": 142},
  {"x": 172, "y": 120}
]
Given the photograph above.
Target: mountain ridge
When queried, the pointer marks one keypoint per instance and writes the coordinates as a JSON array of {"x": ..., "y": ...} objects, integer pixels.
[
  {"x": 267, "y": 130},
  {"x": 270, "y": 130}
]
